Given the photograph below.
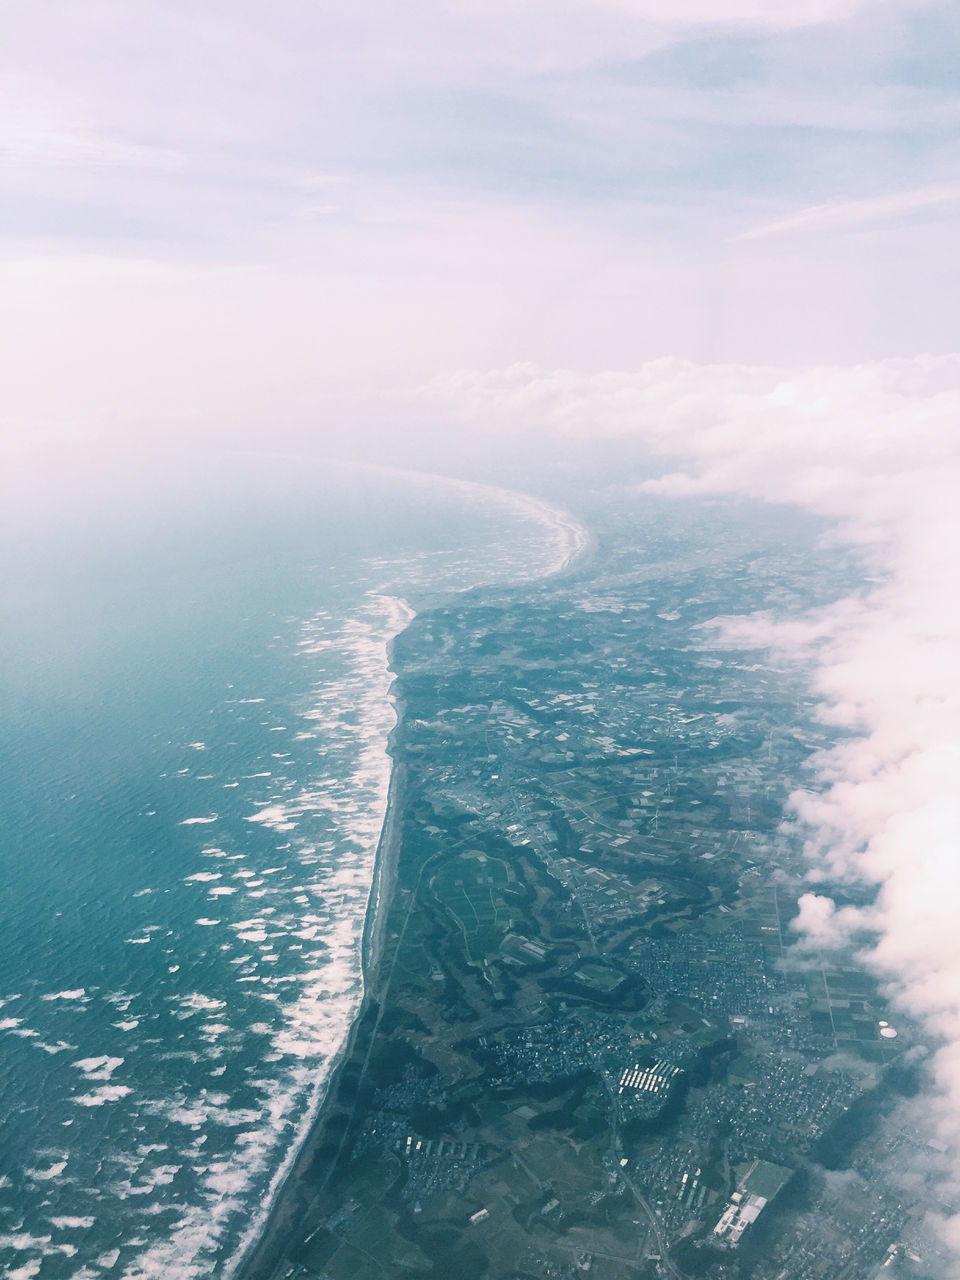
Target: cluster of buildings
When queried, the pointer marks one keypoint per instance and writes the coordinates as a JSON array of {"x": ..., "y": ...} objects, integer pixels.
[
  {"x": 755, "y": 1189},
  {"x": 623, "y": 992},
  {"x": 437, "y": 1166}
]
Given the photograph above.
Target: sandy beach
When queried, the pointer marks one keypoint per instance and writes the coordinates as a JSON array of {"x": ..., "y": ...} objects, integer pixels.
[
  {"x": 311, "y": 1168},
  {"x": 314, "y": 1163}
]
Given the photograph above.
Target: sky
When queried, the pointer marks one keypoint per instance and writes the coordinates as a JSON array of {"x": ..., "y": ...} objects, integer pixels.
[
  {"x": 238, "y": 215},
  {"x": 723, "y": 229}
]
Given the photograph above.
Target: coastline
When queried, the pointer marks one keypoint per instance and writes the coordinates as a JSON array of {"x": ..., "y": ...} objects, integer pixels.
[
  {"x": 259, "y": 1260},
  {"x": 303, "y": 1181},
  {"x": 580, "y": 555},
  {"x": 437, "y": 1143}
]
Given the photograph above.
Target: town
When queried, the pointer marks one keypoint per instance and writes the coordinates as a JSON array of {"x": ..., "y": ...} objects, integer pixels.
[{"x": 590, "y": 1045}]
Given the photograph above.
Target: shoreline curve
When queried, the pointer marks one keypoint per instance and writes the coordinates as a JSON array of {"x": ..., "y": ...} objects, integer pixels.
[{"x": 291, "y": 1199}]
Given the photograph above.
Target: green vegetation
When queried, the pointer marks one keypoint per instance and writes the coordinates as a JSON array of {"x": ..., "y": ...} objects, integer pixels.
[{"x": 581, "y": 1033}]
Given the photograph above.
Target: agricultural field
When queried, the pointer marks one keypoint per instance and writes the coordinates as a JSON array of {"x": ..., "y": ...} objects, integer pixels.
[{"x": 480, "y": 893}]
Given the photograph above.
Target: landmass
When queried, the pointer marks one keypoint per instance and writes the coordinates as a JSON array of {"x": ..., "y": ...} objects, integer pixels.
[{"x": 588, "y": 1046}]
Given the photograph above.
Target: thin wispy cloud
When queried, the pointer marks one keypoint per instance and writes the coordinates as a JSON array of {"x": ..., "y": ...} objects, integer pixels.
[
  {"x": 785, "y": 14},
  {"x": 853, "y": 213},
  {"x": 77, "y": 149}
]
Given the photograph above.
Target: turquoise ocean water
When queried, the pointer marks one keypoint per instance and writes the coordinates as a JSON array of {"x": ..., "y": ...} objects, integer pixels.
[{"x": 195, "y": 706}]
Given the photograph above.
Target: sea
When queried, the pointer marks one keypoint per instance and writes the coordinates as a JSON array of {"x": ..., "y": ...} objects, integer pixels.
[{"x": 194, "y": 715}]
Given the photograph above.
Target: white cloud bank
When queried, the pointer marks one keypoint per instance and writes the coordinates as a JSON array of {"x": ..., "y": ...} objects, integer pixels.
[{"x": 877, "y": 449}]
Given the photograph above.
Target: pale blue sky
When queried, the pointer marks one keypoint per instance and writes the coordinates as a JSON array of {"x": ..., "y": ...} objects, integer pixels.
[{"x": 436, "y": 185}]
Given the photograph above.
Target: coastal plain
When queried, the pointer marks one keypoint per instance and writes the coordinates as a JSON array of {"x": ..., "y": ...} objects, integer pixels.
[{"x": 588, "y": 1045}]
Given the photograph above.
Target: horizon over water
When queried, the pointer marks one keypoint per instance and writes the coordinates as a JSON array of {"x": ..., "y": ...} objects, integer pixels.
[{"x": 193, "y": 671}]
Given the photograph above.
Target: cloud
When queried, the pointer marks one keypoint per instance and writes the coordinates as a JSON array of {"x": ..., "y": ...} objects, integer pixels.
[
  {"x": 823, "y": 926},
  {"x": 875, "y": 448},
  {"x": 782, "y": 14},
  {"x": 34, "y": 137},
  {"x": 853, "y": 213},
  {"x": 591, "y": 163},
  {"x": 82, "y": 150}
]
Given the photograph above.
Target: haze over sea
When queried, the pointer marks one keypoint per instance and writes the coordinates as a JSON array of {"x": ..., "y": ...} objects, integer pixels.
[{"x": 193, "y": 778}]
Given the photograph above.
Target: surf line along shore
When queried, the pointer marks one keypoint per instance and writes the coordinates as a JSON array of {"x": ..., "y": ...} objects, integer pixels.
[
  {"x": 320, "y": 1153},
  {"x": 291, "y": 1222}
]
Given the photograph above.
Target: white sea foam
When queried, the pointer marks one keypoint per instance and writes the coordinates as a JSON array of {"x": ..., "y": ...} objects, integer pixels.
[
  {"x": 23, "y": 1240},
  {"x": 98, "y": 1068},
  {"x": 516, "y": 558},
  {"x": 568, "y": 536},
  {"x": 195, "y": 1002},
  {"x": 312, "y": 1027},
  {"x": 49, "y": 1174},
  {"x": 274, "y": 816},
  {"x": 306, "y": 907},
  {"x": 25, "y": 1272},
  {"x": 108, "y": 1093}
]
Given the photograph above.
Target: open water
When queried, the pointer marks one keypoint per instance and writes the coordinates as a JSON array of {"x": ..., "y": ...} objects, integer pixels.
[{"x": 195, "y": 706}]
